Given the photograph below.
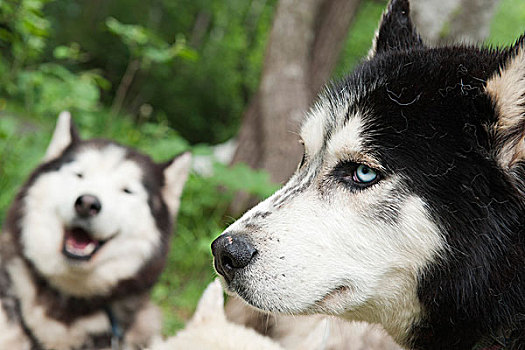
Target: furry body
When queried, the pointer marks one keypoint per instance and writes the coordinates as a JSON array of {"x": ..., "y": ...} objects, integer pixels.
[
  {"x": 84, "y": 241},
  {"x": 407, "y": 209},
  {"x": 209, "y": 329},
  {"x": 312, "y": 332}
]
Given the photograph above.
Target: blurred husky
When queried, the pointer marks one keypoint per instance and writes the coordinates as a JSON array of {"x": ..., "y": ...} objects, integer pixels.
[
  {"x": 310, "y": 332},
  {"x": 83, "y": 243},
  {"x": 408, "y": 207},
  {"x": 209, "y": 329}
]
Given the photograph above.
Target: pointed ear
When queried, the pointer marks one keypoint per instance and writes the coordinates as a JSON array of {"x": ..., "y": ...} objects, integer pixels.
[
  {"x": 507, "y": 92},
  {"x": 175, "y": 174},
  {"x": 211, "y": 305},
  {"x": 65, "y": 134},
  {"x": 396, "y": 31}
]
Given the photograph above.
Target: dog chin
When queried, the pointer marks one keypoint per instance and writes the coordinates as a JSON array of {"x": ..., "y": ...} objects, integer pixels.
[
  {"x": 336, "y": 301},
  {"x": 238, "y": 288},
  {"x": 269, "y": 303}
]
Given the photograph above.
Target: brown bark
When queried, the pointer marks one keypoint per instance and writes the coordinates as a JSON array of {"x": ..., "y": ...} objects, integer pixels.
[
  {"x": 284, "y": 92},
  {"x": 332, "y": 28},
  {"x": 304, "y": 44},
  {"x": 249, "y": 137},
  {"x": 471, "y": 23},
  {"x": 125, "y": 83},
  {"x": 249, "y": 151},
  {"x": 200, "y": 27}
]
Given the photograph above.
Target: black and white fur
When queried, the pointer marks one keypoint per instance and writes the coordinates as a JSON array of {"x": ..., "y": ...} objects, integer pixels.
[
  {"x": 433, "y": 248},
  {"x": 72, "y": 273}
]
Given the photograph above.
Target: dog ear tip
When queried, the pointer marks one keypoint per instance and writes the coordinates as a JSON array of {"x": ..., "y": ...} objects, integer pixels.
[
  {"x": 396, "y": 30},
  {"x": 183, "y": 158},
  {"x": 186, "y": 156},
  {"x": 65, "y": 114},
  {"x": 402, "y": 6}
]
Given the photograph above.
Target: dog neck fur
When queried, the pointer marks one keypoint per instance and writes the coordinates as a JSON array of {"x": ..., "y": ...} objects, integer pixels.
[{"x": 54, "y": 334}]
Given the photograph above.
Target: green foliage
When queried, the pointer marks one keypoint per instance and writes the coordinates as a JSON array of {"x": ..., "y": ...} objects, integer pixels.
[
  {"x": 43, "y": 88},
  {"x": 202, "y": 97},
  {"x": 19, "y": 153},
  {"x": 360, "y": 37},
  {"x": 23, "y": 32},
  {"x": 71, "y": 52},
  {"x": 505, "y": 28},
  {"x": 24, "y": 28},
  {"x": 52, "y": 88},
  {"x": 243, "y": 178},
  {"x": 144, "y": 44},
  {"x": 213, "y": 91}
]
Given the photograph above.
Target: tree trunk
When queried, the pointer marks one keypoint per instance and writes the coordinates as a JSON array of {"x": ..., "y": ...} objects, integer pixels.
[
  {"x": 303, "y": 48},
  {"x": 449, "y": 21},
  {"x": 284, "y": 93},
  {"x": 333, "y": 23}
]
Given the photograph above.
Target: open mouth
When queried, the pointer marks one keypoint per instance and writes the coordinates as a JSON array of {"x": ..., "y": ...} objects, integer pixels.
[{"x": 79, "y": 244}]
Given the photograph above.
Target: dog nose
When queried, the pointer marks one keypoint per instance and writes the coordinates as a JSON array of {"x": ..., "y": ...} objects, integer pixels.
[
  {"x": 231, "y": 253},
  {"x": 87, "y": 205}
]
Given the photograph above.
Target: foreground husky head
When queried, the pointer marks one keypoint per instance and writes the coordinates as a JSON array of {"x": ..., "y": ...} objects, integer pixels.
[
  {"x": 96, "y": 217},
  {"x": 407, "y": 208}
]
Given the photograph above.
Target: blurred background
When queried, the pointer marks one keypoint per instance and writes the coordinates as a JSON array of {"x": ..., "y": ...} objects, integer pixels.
[{"x": 227, "y": 79}]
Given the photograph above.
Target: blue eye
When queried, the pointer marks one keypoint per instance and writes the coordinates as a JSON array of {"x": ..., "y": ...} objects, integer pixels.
[
  {"x": 356, "y": 176},
  {"x": 364, "y": 174}
]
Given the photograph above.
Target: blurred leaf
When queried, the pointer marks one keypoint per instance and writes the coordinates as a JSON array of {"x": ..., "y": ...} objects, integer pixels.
[
  {"x": 71, "y": 52},
  {"x": 132, "y": 35},
  {"x": 143, "y": 43},
  {"x": 52, "y": 88},
  {"x": 241, "y": 177}
]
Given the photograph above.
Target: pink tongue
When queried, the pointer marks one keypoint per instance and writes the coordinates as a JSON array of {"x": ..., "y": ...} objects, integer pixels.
[{"x": 78, "y": 239}]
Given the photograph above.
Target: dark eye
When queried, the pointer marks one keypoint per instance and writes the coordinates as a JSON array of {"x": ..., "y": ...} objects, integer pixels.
[
  {"x": 364, "y": 174},
  {"x": 79, "y": 175},
  {"x": 127, "y": 190}
]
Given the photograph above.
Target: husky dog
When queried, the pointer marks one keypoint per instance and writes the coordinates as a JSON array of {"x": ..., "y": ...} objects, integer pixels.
[
  {"x": 408, "y": 207},
  {"x": 209, "y": 329},
  {"x": 83, "y": 243}
]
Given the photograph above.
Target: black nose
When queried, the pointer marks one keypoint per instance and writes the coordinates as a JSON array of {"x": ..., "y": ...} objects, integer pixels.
[
  {"x": 87, "y": 205},
  {"x": 232, "y": 253}
]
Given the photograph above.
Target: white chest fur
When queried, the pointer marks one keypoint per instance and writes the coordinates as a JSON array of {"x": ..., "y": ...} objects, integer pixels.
[{"x": 51, "y": 333}]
